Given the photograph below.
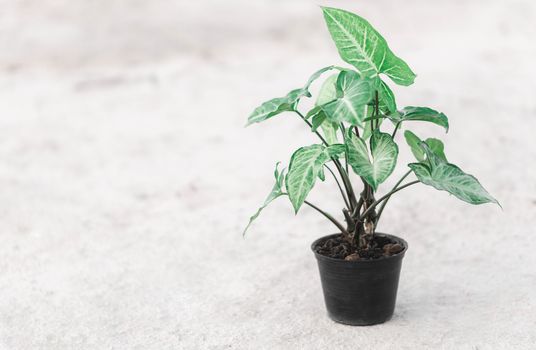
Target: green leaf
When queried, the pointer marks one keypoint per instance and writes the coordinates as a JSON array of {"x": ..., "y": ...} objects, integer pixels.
[
  {"x": 360, "y": 45},
  {"x": 336, "y": 150},
  {"x": 413, "y": 142},
  {"x": 319, "y": 120},
  {"x": 432, "y": 159},
  {"x": 318, "y": 117},
  {"x": 386, "y": 105},
  {"x": 353, "y": 94},
  {"x": 294, "y": 96},
  {"x": 330, "y": 131},
  {"x": 327, "y": 93},
  {"x": 316, "y": 75},
  {"x": 321, "y": 174},
  {"x": 367, "y": 130},
  {"x": 277, "y": 191},
  {"x": 387, "y": 102},
  {"x": 384, "y": 155},
  {"x": 421, "y": 170},
  {"x": 287, "y": 103},
  {"x": 328, "y": 90},
  {"x": 435, "y": 145},
  {"x": 275, "y": 106},
  {"x": 448, "y": 177},
  {"x": 422, "y": 114},
  {"x": 305, "y": 166}
]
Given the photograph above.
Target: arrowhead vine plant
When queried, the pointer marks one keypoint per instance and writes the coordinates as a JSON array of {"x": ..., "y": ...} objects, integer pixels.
[{"x": 349, "y": 119}]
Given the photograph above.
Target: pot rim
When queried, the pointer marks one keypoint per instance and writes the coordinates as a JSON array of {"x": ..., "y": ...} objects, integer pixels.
[{"x": 355, "y": 262}]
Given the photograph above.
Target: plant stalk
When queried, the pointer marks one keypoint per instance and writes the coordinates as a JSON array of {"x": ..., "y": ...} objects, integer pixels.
[
  {"x": 343, "y": 130},
  {"x": 394, "y": 131},
  {"x": 376, "y": 108},
  {"x": 344, "y": 175},
  {"x": 387, "y": 200},
  {"x": 339, "y": 185},
  {"x": 330, "y": 218},
  {"x": 373, "y": 205}
]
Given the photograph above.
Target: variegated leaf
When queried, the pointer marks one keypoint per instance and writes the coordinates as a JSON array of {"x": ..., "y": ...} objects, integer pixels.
[
  {"x": 287, "y": 103},
  {"x": 305, "y": 166},
  {"x": 319, "y": 119},
  {"x": 384, "y": 153},
  {"x": 277, "y": 191},
  {"x": 316, "y": 75},
  {"x": 387, "y": 102},
  {"x": 444, "y": 176},
  {"x": 328, "y": 90},
  {"x": 360, "y": 45},
  {"x": 367, "y": 130},
  {"x": 276, "y": 106},
  {"x": 336, "y": 150},
  {"x": 327, "y": 93},
  {"x": 330, "y": 131},
  {"x": 420, "y": 114},
  {"x": 414, "y": 143},
  {"x": 353, "y": 93}
]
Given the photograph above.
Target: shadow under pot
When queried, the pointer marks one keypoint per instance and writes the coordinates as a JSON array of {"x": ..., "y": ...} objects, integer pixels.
[{"x": 360, "y": 292}]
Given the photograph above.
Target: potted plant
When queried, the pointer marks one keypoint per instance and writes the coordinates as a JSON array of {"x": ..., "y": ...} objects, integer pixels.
[{"x": 359, "y": 267}]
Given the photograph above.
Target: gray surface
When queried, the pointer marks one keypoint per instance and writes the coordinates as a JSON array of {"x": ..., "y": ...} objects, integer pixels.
[{"x": 127, "y": 177}]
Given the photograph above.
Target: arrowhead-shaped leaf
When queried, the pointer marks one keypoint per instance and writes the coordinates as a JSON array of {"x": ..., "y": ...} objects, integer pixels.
[
  {"x": 316, "y": 75},
  {"x": 386, "y": 105},
  {"x": 360, "y": 45},
  {"x": 387, "y": 102},
  {"x": 384, "y": 155},
  {"x": 327, "y": 93},
  {"x": 414, "y": 143},
  {"x": 287, "y": 103},
  {"x": 329, "y": 128},
  {"x": 275, "y": 106},
  {"x": 336, "y": 150},
  {"x": 448, "y": 177},
  {"x": 420, "y": 113},
  {"x": 353, "y": 93},
  {"x": 317, "y": 117},
  {"x": 437, "y": 147},
  {"x": 367, "y": 130},
  {"x": 330, "y": 131},
  {"x": 328, "y": 90},
  {"x": 276, "y": 192},
  {"x": 305, "y": 166}
]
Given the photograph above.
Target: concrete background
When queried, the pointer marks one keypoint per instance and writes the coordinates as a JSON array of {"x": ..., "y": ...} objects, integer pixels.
[{"x": 126, "y": 176}]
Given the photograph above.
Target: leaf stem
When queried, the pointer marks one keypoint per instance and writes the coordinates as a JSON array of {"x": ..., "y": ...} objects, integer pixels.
[
  {"x": 373, "y": 205},
  {"x": 344, "y": 175},
  {"x": 396, "y": 129},
  {"x": 311, "y": 126},
  {"x": 347, "y": 183},
  {"x": 343, "y": 129},
  {"x": 339, "y": 185},
  {"x": 387, "y": 199},
  {"x": 376, "y": 108},
  {"x": 329, "y": 217}
]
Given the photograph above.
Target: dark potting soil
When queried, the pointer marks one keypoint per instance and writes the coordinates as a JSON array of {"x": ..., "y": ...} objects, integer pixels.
[{"x": 338, "y": 248}]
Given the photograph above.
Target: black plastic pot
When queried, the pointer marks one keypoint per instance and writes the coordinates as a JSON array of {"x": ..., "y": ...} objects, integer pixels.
[{"x": 361, "y": 292}]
